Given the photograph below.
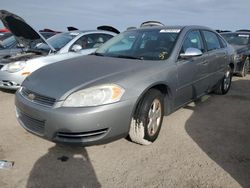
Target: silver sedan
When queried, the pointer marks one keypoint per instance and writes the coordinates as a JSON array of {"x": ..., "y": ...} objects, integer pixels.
[{"x": 126, "y": 87}]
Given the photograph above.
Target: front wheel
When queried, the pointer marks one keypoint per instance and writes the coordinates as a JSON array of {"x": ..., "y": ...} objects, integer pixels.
[
  {"x": 147, "y": 120},
  {"x": 225, "y": 83}
]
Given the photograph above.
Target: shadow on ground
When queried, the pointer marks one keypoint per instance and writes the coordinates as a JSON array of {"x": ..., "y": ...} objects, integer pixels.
[
  {"x": 63, "y": 166},
  {"x": 8, "y": 91},
  {"x": 221, "y": 128}
]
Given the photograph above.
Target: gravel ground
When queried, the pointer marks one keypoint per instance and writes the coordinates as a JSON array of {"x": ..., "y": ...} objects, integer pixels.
[{"x": 205, "y": 144}]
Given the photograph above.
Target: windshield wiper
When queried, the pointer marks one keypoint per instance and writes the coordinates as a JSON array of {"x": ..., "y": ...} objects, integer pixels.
[
  {"x": 128, "y": 57},
  {"x": 117, "y": 56}
]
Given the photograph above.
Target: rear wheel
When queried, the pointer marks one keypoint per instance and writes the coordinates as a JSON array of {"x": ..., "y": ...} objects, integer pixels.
[
  {"x": 245, "y": 68},
  {"x": 147, "y": 120},
  {"x": 225, "y": 83}
]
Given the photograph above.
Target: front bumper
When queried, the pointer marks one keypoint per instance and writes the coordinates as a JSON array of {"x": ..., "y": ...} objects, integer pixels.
[
  {"x": 84, "y": 126},
  {"x": 11, "y": 80}
]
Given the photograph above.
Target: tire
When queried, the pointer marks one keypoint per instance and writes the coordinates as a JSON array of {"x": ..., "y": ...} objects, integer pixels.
[
  {"x": 225, "y": 83},
  {"x": 245, "y": 68},
  {"x": 147, "y": 120}
]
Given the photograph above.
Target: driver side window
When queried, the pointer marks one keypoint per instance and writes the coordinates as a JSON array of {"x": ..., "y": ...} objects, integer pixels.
[
  {"x": 92, "y": 40},
  {"x": 192, "y": 40},
  {"x": 85, "y": 41}
]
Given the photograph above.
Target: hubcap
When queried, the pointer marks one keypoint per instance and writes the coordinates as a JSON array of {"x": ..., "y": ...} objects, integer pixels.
[
  {"x": 227, "y": 80},
  {"x": 154, "y": 117}
]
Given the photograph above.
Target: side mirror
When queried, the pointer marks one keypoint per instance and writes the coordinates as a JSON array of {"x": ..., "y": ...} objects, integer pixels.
[
  {"x": 191, "y": 52},
  {"x": 76, "y": 48}
]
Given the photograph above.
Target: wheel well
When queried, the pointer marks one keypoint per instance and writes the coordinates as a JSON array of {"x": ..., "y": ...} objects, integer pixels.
[
  {"x": 165, "y": 90},
  {"x": 232, "y": 66},
  {"x": 162, "y": 88}
]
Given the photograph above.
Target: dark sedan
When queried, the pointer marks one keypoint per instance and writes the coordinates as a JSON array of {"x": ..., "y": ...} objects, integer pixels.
[
  {"x": 240, "y": 40},
  {"x": 126, "y": 87}
]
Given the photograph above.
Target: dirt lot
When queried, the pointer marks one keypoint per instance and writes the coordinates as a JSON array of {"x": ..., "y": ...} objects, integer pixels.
[{"x": 201, "y": 145}]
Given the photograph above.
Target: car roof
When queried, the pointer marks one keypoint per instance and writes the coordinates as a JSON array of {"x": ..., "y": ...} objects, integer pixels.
[
  {"x": 89, "y": 31},
  {"x": 174, "y": 27},
  {"x": 237, "y": 32}
]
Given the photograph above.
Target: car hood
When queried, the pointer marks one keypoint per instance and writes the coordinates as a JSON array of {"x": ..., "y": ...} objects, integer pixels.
[
  {"x": 23, "y": 32},
  {"x": 59, "y": 79}
]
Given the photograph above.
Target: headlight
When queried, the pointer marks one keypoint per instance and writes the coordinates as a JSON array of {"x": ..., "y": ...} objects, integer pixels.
[
  {"x": 14, "y": 67},
  {"x": 95, "y": 96}
]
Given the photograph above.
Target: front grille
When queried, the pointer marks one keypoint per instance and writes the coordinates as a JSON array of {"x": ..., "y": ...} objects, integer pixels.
[
  {"x": 8, "y": 83},
  {"x": 33, "y": 125},
  {"x": 82, "y": 135},
  {"x": 37, "y": 98}
]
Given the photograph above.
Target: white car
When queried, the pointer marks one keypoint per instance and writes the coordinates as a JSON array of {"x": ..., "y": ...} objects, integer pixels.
[{"x": 39, "y": 52}]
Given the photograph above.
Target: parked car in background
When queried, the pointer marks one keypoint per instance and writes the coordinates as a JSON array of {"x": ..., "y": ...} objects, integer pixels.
[
  {"x": 243, "y": 30},
  {"x": 10, "y": 46},
  {"x": 4, "y": 30},
  {"x": 126, "y": 86},
  {"x": 38, "y": 52},
  {"x": 4, "y": 36},
  {"x": 4, "y": 33},
  {"x": 240, "y": 40},
  {"x": 151, "y": 24},
  {"x": 222, "y": 31},
  {"x": 147, "y": 24}
]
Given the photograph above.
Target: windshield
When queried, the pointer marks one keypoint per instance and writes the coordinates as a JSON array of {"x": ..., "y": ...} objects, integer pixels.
[
  {"x": 8, "y": 43},
  {"x": 58, "y": 41},
  {"x": 140, "y": 44},
  {"x": 237, "y": 38}
]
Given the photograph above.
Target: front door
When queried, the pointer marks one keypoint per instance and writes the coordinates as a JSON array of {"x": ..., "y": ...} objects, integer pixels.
[{"x": 192, "y": 72}]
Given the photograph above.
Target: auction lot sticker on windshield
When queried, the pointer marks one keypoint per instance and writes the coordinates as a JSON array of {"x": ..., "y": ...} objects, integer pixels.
[{"x": 170, "y": 31}]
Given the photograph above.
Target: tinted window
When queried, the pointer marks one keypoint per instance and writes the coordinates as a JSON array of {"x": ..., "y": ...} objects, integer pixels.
[
  {"x": 192, "y": 40},
  {"x": 212, "y": 40}
]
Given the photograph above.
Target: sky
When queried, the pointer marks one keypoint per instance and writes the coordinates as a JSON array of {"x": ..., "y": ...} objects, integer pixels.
[{"x": 88, "y": 14}]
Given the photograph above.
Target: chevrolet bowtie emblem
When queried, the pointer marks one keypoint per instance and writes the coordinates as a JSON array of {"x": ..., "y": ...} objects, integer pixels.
[{"x": 31, "y": 96}]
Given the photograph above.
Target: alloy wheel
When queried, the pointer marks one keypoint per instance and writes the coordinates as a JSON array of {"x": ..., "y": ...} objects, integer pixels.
[{"x": 154, "y": 117}]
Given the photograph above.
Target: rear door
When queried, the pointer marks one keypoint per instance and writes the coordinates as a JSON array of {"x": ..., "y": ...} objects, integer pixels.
[{"x": 217, "y": 56}]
